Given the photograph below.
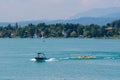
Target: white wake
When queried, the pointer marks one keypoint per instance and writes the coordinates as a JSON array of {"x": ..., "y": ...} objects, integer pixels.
[
  {"x": 33, "y": 59},
  {"x": 51, "y": 59}
]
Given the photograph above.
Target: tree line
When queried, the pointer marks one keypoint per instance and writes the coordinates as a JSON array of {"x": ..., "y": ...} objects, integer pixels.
[{"x": 61, "y": 30}]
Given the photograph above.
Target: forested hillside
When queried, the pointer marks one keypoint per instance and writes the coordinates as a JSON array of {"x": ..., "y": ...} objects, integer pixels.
[{"x": 61, "y": 30}]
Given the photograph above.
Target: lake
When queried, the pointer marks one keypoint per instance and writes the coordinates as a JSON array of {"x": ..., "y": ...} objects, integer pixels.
[{"x": 16, "y": 59}]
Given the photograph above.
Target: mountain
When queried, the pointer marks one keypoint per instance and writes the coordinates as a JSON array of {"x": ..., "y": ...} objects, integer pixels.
[
  {"x": 97, "y": 16},
  {"x": 4, "y": 23},
  {"x": 115, "y": 23},
  {"x": 94, "y": 16},
  {"x": 83, "y": 20},
  {"x": 23, "y": 23},
  {"x": 113, "y": 15},
  {"x": 98, "y": 13},
  {"x": 92, "y": 20}
]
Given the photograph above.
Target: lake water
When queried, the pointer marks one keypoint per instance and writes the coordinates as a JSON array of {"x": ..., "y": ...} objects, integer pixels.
[{"x": 16, "y": 59}]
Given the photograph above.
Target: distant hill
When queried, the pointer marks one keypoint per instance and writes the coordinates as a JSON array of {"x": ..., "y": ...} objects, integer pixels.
[
  {"x": 115, "y": 23},
  {"x": 112, "y": 15},
  {"x": 106, "y": 12},
  {"x": 4, "y": 23},
  {"x": 97, "y": 16},
  {"x": 92, "y": 20},
  {"x": 94, "y": 16},
  {"x": 83, "y": 20}
]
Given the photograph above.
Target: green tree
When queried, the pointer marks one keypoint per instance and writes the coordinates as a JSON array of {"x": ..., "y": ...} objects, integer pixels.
[{"x": 73, "y": 34}]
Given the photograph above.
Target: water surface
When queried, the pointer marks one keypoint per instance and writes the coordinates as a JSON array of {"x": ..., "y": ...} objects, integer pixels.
[{"x": 16, "y": 55}]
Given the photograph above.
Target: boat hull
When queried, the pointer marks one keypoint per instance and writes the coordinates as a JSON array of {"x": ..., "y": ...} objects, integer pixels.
[{"x": 40, "y": 59}]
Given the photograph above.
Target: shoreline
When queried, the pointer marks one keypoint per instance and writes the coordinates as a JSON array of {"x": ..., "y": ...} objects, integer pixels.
[{"x": 66, "y": 38}]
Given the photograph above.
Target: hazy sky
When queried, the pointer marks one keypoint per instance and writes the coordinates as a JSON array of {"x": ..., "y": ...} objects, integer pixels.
[{"x": 18, "y": 10}]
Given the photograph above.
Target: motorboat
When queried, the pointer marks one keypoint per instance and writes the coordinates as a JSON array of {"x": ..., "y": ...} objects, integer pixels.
[{"x": 40, "y": 57}]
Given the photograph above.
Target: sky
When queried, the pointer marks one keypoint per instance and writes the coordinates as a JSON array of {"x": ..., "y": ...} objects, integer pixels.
[{"x": 22, "y": 10}]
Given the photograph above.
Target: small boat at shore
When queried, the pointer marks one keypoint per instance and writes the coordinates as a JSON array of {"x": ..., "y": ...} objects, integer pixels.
[{"x": 40, "y": 57}]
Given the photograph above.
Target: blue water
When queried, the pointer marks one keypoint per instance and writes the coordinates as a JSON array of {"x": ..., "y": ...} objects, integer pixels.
[{"x": 16, "y": 59}]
